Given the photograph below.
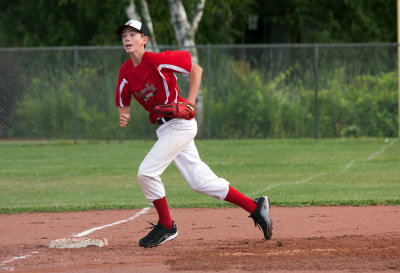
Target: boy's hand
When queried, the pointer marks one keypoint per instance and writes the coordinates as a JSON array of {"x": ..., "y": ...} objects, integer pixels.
[{"x": 123, "y": 119}]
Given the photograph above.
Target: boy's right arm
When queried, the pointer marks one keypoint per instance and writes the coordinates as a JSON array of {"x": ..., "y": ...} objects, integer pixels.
[{"x": 124, "y": 115}]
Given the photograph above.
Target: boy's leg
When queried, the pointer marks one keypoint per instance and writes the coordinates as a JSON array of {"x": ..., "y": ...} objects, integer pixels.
[
  {"x": 198, "y": 175},
  {"x": 172, "y": 138},
  {"x": 236, "y": 197},
  {"x": 203, "y": 180},
  {"x": 163, "y": 212}
]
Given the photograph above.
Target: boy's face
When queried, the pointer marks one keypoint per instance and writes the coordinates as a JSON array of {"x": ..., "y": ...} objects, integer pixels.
[{"x": 133, "y": 40}]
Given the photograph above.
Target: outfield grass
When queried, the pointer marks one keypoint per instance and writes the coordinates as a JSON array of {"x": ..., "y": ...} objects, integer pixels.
[{"x": 62, "y": 176}]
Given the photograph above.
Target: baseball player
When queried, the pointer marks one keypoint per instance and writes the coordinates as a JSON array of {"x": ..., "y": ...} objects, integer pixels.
[{"x": 149, "y": 78}]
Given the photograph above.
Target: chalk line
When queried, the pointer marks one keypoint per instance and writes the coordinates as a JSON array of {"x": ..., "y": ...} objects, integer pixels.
[
  {"x": 83, "y": 233},
  {"x": 18, "y": 258},
  {"x": 382, "y": 150},
  {"x": 309, "y": 178},
  {"x": 371, "y": 156},
  {"x": 86, "y": 232},
  {"x": 305, "y": 180},
  {"x": 351, "y": 163},
  {"x": 347, "y": 166}
]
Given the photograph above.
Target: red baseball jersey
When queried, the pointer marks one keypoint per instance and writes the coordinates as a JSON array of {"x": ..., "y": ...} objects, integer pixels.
[{"x": 153, "y": 81}]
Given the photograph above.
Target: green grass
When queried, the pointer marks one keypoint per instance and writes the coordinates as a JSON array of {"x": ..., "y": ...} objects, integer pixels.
[{"x": 61, "y": 176}]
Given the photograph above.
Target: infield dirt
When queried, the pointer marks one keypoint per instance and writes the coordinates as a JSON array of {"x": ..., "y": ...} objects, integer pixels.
[{"x": 308, "y": 239}]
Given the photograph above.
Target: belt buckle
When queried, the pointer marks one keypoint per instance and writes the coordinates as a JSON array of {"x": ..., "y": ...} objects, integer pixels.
[{"x": 161, "y": 121}]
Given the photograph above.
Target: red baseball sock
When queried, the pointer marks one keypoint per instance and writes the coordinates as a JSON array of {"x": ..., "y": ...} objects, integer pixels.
[
  {"x": 238, "y": 198},
  {"x": 163, "y": 212}
]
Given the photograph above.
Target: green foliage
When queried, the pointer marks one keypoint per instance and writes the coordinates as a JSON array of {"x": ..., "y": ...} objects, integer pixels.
[
  {"x": 93, "y": 22},
  {"x": 59, "y": 103},
  {"x": 60, "y": 22},
  {"x": 47, "y": 108},
  {"x": 46, "y": 115},
  {"x": 325, "y": 21},
  {"x": 246, "y": 99},
  {"x": 367, "y": 106},
  {"x": 224, "y": 22},
  {"x": 376, "y": 97},
  {"x": 253, "y": 108}
]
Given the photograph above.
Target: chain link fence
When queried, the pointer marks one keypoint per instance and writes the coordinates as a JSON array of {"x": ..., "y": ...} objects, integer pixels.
[{"x": 248, "y": 91}]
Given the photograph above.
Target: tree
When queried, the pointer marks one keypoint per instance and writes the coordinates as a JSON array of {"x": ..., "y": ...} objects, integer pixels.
[
  {"x": 76, "y": 22},
  {"x": 184, "y": 30},
  {"x": 185, "y": 33},
  {"x": 324, "y": 21},
  {"x": 59, "y": 22},
  {"x": 132, "y": 14}
]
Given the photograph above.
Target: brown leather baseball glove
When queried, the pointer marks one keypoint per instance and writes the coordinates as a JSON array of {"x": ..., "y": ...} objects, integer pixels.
[{"x": 183, "y": 110}]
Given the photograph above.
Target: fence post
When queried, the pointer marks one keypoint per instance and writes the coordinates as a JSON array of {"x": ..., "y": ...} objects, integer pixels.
[
  {"x": 75, "y": 94},
  {"x": 316, "y": 112},
  {"x": 208, "y": 90}
]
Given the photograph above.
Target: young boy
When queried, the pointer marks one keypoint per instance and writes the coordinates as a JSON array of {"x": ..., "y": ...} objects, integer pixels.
[{"x": 149, "y": 78}]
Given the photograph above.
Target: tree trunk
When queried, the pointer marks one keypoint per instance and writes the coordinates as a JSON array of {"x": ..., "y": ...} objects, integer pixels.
[
  {"x": 185, "y": 32},
  {"x": 149, "y": 24},
  {"x": 132, "y": 14}
]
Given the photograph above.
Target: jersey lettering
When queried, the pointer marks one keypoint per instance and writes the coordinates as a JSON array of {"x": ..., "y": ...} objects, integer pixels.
[{"x": 147, "y": 92}]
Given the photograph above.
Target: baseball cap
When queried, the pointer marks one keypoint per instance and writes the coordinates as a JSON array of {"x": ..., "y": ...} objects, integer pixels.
[{"x": 133, "y": 24}]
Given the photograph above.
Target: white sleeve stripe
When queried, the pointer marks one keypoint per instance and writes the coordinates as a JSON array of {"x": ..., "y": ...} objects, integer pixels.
[
  {"x": 165, "y": 86},
  {"x": 176, "y": 97},
  {"x": 173, "y": 67},
  {"x": 121, "y": 87}
]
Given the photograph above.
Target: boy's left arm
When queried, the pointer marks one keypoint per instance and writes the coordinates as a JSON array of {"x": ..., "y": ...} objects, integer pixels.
[{"x": 195, "y": 81}]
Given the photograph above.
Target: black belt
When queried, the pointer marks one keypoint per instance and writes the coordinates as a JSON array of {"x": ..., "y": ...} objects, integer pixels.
[{"x": 161, "y": 121}]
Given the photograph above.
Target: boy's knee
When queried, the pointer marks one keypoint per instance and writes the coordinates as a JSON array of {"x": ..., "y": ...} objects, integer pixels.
[{"x": 142, "y": 173}]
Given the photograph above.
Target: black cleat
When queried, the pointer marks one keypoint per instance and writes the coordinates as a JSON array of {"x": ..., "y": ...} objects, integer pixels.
[
  {"x": 261, "y": 216},
  {"x": 159, "y": 235}
]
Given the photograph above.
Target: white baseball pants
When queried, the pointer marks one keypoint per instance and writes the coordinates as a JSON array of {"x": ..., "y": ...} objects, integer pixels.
[{"x": 176, "y": 144}]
